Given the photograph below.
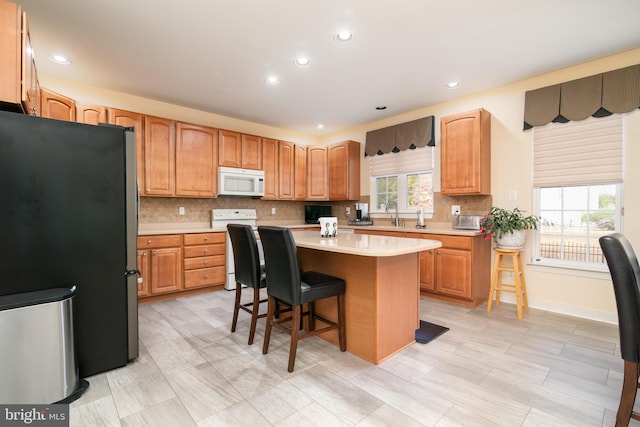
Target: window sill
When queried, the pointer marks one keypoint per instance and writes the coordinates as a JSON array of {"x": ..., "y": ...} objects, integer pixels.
[{"x": 565, "y": 270}]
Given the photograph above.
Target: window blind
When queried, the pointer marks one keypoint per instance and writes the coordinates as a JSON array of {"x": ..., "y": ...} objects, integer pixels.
[
  {"x": 576, "y": 153},
  {"x": 417, "y": 160}
]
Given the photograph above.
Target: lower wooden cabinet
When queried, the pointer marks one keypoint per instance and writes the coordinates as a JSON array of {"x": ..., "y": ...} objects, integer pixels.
[
  {"x": 143, "y": 273},
  {"x": 458, "y": 272},
  {"x": 172, "y": 265},
  {"x": 204, "y": 259},
  {"x": 162, "y": 264}
]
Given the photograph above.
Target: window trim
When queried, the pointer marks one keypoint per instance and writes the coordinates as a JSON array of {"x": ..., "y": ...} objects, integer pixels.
[
  {"x": 402, "y": 195},
  {"x": 575, "y": 265}
]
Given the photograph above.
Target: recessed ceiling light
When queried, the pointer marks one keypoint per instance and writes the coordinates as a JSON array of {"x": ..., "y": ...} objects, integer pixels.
[
  {"x": 272, "y": 80},
  {"x": 344, "y": 36},
  {"x": 453, "y": 85},
  {"x": 302, "y": 61},
  {"x": 59, "y": 59},
  {"x": 381, "y": 107}
]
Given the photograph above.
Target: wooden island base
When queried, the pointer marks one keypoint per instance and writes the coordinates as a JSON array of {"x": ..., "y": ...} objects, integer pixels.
[{"x": 382, "y": 300}]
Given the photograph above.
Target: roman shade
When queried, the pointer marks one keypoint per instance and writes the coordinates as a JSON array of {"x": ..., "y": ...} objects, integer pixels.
[
  {"x": 419, "y": 160},
  {"x": 400, "y": 137},
  {"x": 600, "y": 95},
  {"x": 578, "y": 153}
]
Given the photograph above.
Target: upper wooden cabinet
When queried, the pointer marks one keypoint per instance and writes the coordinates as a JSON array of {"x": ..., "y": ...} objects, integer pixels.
[
  {"x": 56, "y": 106},
  {"x": 135, "y": 120},
  {"x": 344, "y": 171},
  {"x": 317, "y": 173},
  {"x": 270, "y": 167},
  {"x": 465, "y": 153},
  {"x": 229, "y": 149},
  {"x": 159, "y": 157},
  {"x": 300, "y": 173},
  {"x": 239, "y": 150},
  {"x": 286, "y": 170},
  {"x": 196, "y": 165},
  {"x": 90, "y": 114},
  {"x": 19, "y": 88},
  {"x": 251, "y": 152}
]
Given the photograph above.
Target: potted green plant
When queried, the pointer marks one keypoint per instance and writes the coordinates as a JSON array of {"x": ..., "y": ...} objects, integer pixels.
[{"x": 507, "y": 227}]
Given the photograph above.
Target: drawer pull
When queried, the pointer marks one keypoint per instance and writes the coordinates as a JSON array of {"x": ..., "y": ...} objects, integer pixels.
[
  {"x": 206, "y": 276},
  {"x": 206, "y": 238},
  {"x": 206, "y": 250},
  {"x": 149, "y": 242},
  {"x": 206, "y": 262}
]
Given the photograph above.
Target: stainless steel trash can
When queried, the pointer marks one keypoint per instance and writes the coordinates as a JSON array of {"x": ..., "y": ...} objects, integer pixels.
[{"x": 37, "y": 356}]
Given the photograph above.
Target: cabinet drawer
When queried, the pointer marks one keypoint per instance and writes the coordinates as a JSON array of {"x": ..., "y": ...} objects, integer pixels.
[
  {"x": 160, "y": 241},
  {"x": 454, "y": 242},
  {"x": 204, "y": 262},
  {"x": 204, "y": 277},
  {"x": 203, "y": 250},
  {"x": 204, "y": 238}
]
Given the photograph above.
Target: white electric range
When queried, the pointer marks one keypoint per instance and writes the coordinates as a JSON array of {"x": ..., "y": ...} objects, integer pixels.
[{"x": 223, "y": 217}]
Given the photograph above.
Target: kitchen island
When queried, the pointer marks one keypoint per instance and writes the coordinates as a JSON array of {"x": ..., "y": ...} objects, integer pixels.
[{"x": 382, "y": 287}]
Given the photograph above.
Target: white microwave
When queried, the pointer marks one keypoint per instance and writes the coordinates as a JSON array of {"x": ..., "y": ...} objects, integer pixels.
[{"x": 240, "y": 182}]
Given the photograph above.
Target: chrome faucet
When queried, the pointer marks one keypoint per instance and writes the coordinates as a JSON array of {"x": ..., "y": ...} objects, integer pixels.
[{"x": 395, "y": 220}]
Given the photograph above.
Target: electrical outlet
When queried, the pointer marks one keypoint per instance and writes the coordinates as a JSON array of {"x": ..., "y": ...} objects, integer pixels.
[
  {"x": 347, "y": 211},
  {"x": 181, "y": 210},
  {"x": 273, "y": 211},
  {"x": 455, "y": 209}
]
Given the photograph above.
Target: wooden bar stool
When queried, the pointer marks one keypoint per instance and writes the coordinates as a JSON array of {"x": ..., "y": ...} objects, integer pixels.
[{"x": 518, "y": 287}]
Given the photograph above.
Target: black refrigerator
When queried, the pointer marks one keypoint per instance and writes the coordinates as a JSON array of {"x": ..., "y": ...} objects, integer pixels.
[{"x": 69, "y": 217}]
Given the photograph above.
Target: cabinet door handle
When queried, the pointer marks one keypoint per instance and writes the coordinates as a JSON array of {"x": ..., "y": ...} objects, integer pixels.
[{"x": 155, "y": 253}]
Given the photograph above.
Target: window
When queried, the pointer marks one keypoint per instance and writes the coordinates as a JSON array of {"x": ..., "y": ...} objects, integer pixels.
[
  {"x": 572, "y": 220},
  {"x": 577, "y": 190},
  {"x": 402, "y": 181}
]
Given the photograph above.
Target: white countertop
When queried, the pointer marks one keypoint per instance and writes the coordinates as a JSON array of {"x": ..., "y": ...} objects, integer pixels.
[
  {"x": 363, "y": 244},
  {"x": 204, "y": 227}
]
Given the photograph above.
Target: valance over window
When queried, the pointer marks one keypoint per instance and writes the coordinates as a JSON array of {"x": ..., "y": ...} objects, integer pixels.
[
  {"x": 404, "y": 136},
  {"x": 601, "y": 95}
]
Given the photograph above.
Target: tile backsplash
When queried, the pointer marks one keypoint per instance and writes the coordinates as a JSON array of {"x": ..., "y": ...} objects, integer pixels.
[{"x": 166, "y": 209}]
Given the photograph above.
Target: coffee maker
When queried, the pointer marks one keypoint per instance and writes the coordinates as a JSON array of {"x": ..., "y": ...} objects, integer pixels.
[{"x": 362, "y": 211}]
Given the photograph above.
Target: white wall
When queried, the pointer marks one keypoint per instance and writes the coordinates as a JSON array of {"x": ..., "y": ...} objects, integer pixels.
[{"x": 570, "y": 292}]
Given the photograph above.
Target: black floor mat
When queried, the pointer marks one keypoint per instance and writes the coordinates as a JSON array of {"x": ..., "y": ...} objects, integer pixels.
[{"x": 429, "y": 331}]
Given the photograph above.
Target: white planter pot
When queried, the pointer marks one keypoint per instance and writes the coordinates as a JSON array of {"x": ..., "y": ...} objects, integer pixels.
[{"x": 513, "y": 240}]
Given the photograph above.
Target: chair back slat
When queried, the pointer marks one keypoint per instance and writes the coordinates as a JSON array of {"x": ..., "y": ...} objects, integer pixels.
[
  {"x": 281, "y": 263},
  {"x": 625, "y": 275}
]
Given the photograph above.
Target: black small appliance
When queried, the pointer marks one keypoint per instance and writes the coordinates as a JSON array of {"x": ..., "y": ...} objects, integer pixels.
[{"x": 313, "y": 212}]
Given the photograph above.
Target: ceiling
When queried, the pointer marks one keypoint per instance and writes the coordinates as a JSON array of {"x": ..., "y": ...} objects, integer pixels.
[{"x": 214, "y": 55}]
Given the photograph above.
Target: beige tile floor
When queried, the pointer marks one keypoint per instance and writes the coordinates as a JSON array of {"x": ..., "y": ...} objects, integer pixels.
[{"x": 487, "y": 370}]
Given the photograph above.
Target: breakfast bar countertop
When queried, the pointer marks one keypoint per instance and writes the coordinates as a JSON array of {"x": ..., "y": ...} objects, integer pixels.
[{"x": 363, "y": 244}]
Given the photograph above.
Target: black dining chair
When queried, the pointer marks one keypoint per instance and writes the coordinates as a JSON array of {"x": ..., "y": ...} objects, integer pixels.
[
  {"x": 287, "y": 284},
  {"x": 248, "y": 272},
  {"x": 625, "y": 275}
]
